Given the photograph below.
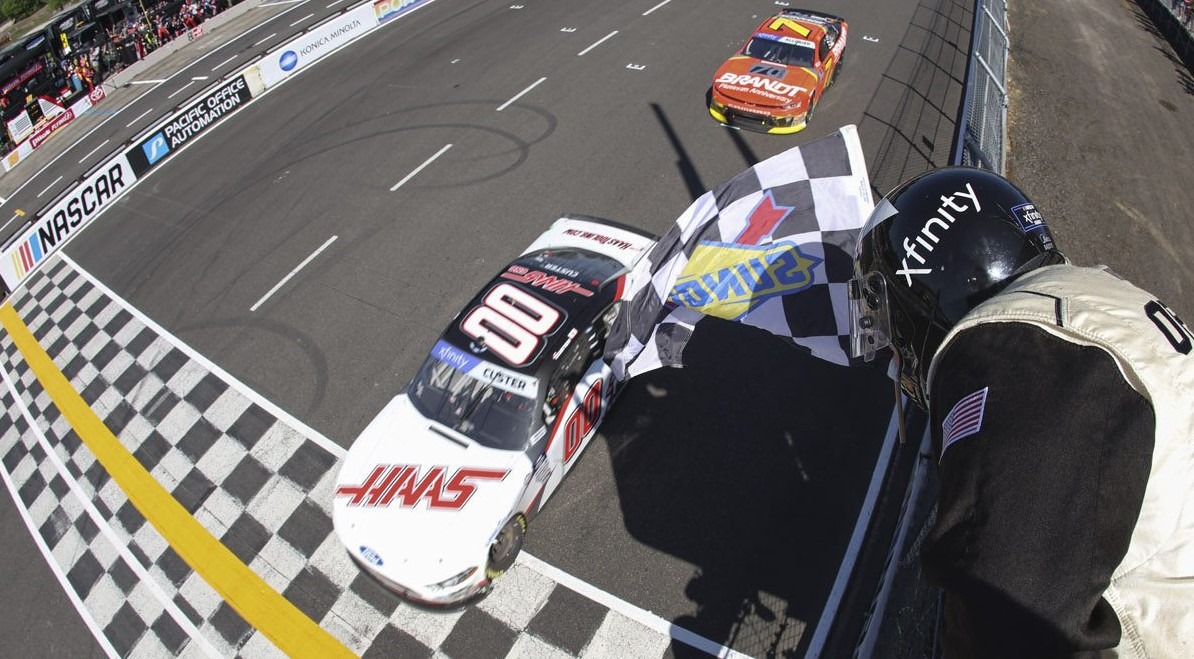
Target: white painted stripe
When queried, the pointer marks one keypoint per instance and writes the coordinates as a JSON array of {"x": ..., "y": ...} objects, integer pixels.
[
  {"x": 147, "y": 82},
  {"x": 10, "y": 220},
  {"x": 821, "y": 633},
  {"x": 281, "y": 414},
  {"x": 139, "y": 118},
  {"x": 418, "y": 169},
  {"x": 333, "y": 4},
  {"x": 56, "y": 569},
  {"x": 199, "y": 78},
  {"x": 179, "y": 90},
  {"x": 47, "y": 188},
  {"x": 213, "y": 69},
  {"x": 92, "y": 152},
  {"x": 109, "y": 534},
  {"x": 597, "y": 43},
  {"x": 292, "y": 273},
  {"x": 280, "y": 2},
  {"x": 265, "y": 39},
  {"x": 648, "y": 12},
  {"x": 520, "y": 94},
  {"x": 615, "y": 603},
  {"x": 301, "y": 19}
]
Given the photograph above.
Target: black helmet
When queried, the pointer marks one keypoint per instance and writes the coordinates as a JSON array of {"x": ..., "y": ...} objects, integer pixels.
[{"x": 932, "y": 250}]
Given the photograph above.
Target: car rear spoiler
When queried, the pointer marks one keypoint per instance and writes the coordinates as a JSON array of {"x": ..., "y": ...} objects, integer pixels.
[
  {"x": 616, "y": 240},
  {"x": 811, "y": 13}
]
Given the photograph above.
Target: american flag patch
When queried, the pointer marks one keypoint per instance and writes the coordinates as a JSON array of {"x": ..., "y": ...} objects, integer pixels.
[{"x": 965, "y": 419}]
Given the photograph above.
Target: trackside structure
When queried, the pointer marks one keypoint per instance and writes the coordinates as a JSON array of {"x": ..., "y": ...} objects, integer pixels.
[{"x": 981, "y": 140}]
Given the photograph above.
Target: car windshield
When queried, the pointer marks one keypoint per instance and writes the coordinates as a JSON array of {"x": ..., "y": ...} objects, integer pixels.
[
  {"x": 770, "y": 49},
  {"x": 486, "y": 403}
]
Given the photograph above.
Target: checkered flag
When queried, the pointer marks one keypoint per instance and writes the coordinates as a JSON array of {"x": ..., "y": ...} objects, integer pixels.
[{"x": 772, "y": 247}]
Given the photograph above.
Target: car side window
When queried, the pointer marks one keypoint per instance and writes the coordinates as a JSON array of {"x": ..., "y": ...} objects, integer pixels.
[
  {"x": 585, "y": 347},
  {"x": 826, "y": 46},
  {"x": 569, "y": 369}
]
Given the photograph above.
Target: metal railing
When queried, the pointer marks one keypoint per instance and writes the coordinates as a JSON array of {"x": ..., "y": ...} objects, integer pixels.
[{"x": 981, "y": 140}]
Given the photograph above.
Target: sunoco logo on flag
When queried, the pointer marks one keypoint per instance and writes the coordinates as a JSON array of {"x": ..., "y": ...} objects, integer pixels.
[
  {"x": 772, "y": 248},
  {"x": 728, "y": 281}
]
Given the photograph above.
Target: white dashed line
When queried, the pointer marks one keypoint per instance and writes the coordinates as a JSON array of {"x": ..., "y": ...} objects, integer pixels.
[
  {"x": 213, "y": 69},
  {"x": 597, "y": 43},
  {"x": 265, "y": 39},
  {"x": 418, "y": 169},
  {"x": 47, "y": 188},
  {"x": 139, "y": 118},
  {"x": 179, "y": 90},
  {"x": 301, "y": 20},
  {"x": 92, "y": 152},
  {"x": 520, "y": 94},
  {"x": 645, "y": 13},
  {"x": 293, "y": 273}
]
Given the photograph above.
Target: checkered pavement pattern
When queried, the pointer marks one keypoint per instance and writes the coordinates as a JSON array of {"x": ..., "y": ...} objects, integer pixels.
[
  {"x": 256, "y": 481},
  {"x": 814, "y": 198}
]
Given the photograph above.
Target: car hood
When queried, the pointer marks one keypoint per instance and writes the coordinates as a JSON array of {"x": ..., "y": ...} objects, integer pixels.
[
  {"x": 419, "y": 502},
  {"x": 764, "y": 84}
]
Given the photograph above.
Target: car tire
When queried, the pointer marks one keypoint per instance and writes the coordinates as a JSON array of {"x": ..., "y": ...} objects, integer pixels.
[
  {"x": 506, "y": 546},
  {"x": 808, "y": 116}
]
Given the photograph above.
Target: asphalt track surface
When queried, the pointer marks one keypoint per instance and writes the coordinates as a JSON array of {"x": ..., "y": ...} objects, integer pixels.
[{"x": 720, "y": 495}]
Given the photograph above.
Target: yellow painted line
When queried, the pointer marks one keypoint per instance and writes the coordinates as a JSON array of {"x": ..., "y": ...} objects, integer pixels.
[{"x": 259, "y": 604}]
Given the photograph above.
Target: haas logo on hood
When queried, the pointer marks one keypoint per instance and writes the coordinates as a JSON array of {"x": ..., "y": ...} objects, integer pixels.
[{"x": 401, "y": 484}]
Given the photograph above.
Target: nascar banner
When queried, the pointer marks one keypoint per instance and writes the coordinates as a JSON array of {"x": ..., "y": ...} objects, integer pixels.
[
  {"x": 65, "y": 218},
  {"x": 773, "y": 248}
]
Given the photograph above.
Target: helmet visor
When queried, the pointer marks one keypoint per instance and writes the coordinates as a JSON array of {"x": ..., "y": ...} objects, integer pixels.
[{"x": 870, "y": 316}]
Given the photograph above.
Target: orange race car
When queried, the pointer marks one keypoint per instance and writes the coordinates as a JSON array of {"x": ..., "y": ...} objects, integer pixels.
[{"x": 776, "y": 80}]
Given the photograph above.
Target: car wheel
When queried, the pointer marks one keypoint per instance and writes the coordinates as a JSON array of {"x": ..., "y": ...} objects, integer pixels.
[
  {"x": 808, "y": 116},
  {"x": 506, "y": 546}
]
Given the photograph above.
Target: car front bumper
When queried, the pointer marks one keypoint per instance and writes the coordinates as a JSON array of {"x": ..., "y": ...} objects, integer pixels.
[
  {"x": 461, "y": 594},
  {"x": 764, "y": 123}
]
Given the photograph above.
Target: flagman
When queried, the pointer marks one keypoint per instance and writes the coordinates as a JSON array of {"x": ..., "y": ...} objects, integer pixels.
[{"x": 1061, "y": 400}]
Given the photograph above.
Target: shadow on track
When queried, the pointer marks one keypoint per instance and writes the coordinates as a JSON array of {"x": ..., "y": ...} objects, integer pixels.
[
  {"x": 913, "y": 115},
  {"x": 749, "y": 464}
]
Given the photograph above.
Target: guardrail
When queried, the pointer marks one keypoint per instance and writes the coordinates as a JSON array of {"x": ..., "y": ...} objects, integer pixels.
[{"x": 982, "y": 123}]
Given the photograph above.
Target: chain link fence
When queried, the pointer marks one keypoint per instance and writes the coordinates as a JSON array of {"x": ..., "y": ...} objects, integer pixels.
[{"x": 982, "y": 129}]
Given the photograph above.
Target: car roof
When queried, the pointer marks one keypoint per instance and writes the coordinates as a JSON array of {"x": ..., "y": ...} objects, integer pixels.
[
  {"x": 784, "y": 24},
  {"x": 576, "y": 282}
]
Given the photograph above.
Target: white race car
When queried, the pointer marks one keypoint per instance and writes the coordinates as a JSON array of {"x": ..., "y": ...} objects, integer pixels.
[{"x": 434, "y": 496}]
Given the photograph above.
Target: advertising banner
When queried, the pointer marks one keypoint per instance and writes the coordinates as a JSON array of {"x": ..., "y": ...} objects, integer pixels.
[
  {"x": 66, "y": 217},
  {"x": 311, "y": 46},
  {"x": 388, "y": 10},
  {"x": 43, "y": 132},
  {"x": 190, "y": 122}
]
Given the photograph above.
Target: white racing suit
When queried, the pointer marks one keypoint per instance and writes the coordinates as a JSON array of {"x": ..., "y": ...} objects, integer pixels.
[{"x": 1063, "y": 420}]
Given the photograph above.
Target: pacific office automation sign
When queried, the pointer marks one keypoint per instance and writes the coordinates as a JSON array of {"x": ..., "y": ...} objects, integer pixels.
[
  {"x": 196, "y": 118},
  {"x": 65, "y": 218},
  {"x": 320, "y": 41}
]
